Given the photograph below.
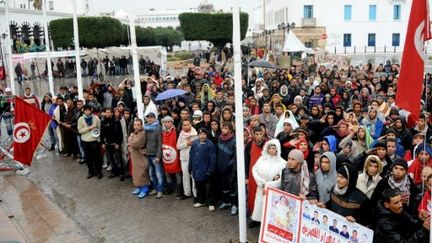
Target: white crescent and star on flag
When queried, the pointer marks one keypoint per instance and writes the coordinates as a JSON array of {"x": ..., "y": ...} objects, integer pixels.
[{"x": 21, "y": 132}]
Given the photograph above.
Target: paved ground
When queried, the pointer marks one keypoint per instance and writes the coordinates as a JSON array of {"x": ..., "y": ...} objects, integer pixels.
[{"x": 105, "y": 211}]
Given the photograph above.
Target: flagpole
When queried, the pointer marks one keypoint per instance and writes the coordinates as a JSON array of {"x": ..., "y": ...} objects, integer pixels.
[
  {"x": 9, "y": 50},
  {"x": 48, "y": 52},
  {"x": 241, "y": 182},
  {"x": 140, "y": 105},
  {"x": 77, "y": 52}
]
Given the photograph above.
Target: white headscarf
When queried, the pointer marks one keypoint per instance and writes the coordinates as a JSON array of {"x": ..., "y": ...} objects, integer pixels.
[{"x": 285, "y": 116}]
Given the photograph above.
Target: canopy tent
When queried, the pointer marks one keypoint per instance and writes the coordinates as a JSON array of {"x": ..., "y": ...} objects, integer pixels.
[{"x": 293, "y": 44}]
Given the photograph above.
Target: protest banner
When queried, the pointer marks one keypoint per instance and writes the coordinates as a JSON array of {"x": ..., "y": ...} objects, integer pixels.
[{"x": 287, "y": 218}]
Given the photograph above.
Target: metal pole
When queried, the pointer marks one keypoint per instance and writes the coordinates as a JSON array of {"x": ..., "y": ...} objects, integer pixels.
[
  {"x": 48, "y": 52},
  {"x": 9, "y": 50},
  {"x": 239, "y": 123},
  {"x": 140, "y": 105},
  {"x": 77, "y": 52}
]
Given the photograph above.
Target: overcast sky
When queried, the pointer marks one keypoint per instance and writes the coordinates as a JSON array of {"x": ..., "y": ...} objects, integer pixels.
[{"x": 249, "y": 6}]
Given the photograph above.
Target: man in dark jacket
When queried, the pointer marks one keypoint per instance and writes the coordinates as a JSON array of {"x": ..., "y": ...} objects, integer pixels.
[
  {"x": 154, "y": 153},
  {"x": 111, "y": 139},
  {"x": 202, "y": 163},
  {"x": 77, "y": 114},
  {"x": 398, "y": 179},
  {"x": 394, "y": 224},
  {"x": 226, "y": 168}
]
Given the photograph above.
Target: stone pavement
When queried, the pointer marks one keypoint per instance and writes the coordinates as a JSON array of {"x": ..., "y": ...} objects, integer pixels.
[
  {"x": 27, "y": 215},
  {"x": 105, "y": 211}
]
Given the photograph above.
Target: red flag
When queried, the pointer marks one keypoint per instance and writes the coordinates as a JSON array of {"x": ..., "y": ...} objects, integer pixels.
[
  {"x": 410, "y": 83},
  {"x": 170, "y": 155},
  {"x": 30, "y": 126}
]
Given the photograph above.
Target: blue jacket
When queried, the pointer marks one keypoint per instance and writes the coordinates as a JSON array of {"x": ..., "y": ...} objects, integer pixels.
[
  {"x": 54, "y": 124},
  {"x": 226, "y": 154},
  {"x": 202, "y": 160}
]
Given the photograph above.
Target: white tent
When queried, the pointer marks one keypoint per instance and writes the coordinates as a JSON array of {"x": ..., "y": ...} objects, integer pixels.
[{"x": 293, "y": 44}]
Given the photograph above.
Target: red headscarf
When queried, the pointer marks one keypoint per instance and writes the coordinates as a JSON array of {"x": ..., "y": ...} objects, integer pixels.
[{"x": 303, "y": 140}]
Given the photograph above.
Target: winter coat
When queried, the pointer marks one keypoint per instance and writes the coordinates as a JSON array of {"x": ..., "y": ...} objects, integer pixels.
[
  {"x": 111, "y": 132},
  {"x": 154, "y": 143},
  {"x": 352, "y": 203},
  {"x": 85, "y": 131},
  {"x": 400, "y": 228},
  {"x": 202, "y": 160},
  {"x": 182, "y": 143},
  {"x": 264, "y": 171},
  {"x": 326, "y": 181},
  {"x": 226, "y": 154},
  {"x": 137, "y": 144},
  {"x": 364, "y": 177}
]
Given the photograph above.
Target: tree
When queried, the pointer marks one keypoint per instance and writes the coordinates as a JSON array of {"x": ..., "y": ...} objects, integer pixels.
[
  {"x": 213, "y": 27},
  {"x": 97, "y": 32},
  {"x": 102, "y": 32}
]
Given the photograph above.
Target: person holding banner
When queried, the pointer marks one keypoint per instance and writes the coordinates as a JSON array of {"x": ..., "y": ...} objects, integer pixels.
[
  {"x": 296, "y": 178},
  {"x": 346, "y": 199},
  {"x": 266, "y": 172}
]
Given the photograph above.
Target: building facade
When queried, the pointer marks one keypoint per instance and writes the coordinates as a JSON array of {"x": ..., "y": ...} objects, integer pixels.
[{"x": 342, "y": 26}]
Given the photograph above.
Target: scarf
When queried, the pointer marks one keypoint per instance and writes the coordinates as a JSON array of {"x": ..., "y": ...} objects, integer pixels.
[
  {"x": 338, "y": 191},
  {"x": 88, "y": 120},
  {"x": 304, "y": 179},
  {"x": 403, "y": 186},
  {"x": 227, "y": 137},
  {"x": 186, "y": 135},
  {"x": 151, "y": 127}
]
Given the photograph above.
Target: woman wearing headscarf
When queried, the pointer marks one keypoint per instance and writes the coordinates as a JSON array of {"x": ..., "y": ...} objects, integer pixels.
[
  {"x": 206, "y": 94},
  {"x": 266, "y": 172},
  {"x": 326, "y": 176},
  {"x": 346, "y": 199},
  {"x": 360, "y": 141},
  {"x": 373, "y": 124},
  {"x": 423, "y": 158},
  {"x": 289, "y": 117},
  {"x": 284, "y": 95}
]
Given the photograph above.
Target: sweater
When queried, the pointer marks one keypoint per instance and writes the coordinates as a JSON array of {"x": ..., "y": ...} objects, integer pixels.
[{"x": 85, "y": 131}]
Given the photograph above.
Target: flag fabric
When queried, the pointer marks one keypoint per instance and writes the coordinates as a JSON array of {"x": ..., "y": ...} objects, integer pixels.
[
  {"x": 29, "y": 128},
  {"x": 170, "y": 155},
  {"x": 409, "y": 87}
]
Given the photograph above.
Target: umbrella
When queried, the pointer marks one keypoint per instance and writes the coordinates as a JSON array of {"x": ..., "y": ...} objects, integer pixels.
[
  {"x": 170, "y": 94},
  {"x": 262, "y": 64}
]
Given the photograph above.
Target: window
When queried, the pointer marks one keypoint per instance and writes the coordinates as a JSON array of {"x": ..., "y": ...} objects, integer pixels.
[
  {"x": 347, "y": 40},
  {"x": 308, "y": 44},
  {"x": 371, "y": 39},
  {"x": 347, "y": 12},
  {"x": 308, "y": 11},
  {"x": 51, "y": 5},
  {"x": 372, "y": 12},
  {"x": 395, "y": 39},
  {"x": 396, "y": 12}
]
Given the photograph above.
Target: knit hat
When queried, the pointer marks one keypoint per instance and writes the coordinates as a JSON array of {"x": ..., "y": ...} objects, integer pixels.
[
  {"x": 379, "y": 145},
  {"x": 297, "y": 155},
  {"x": 287, "y": 121},
  {"x": 400, "y": 162},
  {"x": 423, "y": 147},
  {"x": 197, "y": 113},
  {"x": 203, "y": 130},
  {"x": 350, "y": 173},
  {"x": 167, "y": 118}
]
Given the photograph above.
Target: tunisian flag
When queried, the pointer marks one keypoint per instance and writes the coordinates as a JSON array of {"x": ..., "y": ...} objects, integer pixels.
[
  {"x": 170, "y": 155},
  {"x": 30, "y": 126},
  {"x": 409, "y": 88}
]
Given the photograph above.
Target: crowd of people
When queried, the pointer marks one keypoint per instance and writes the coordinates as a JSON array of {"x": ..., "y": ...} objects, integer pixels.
[{"x": 332, "y": 136}]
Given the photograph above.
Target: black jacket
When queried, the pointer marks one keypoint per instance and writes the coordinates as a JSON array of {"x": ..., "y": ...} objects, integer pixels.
[
  {"x": 400, "y": 228},
  {"x": 411, "y": 208},
  {"x": 111, "y": 132},
  {"x": 353, "y": 203}
]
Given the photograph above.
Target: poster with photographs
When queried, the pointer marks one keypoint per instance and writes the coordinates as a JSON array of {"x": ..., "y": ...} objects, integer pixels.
[
  {"x": 281, "y": 215},
  {"x": 319, "y": 225},
  {"x": 286, "y": 218}
]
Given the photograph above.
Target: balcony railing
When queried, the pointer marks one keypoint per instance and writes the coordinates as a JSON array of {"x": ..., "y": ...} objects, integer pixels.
[{"x": 308, "y": 22}]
